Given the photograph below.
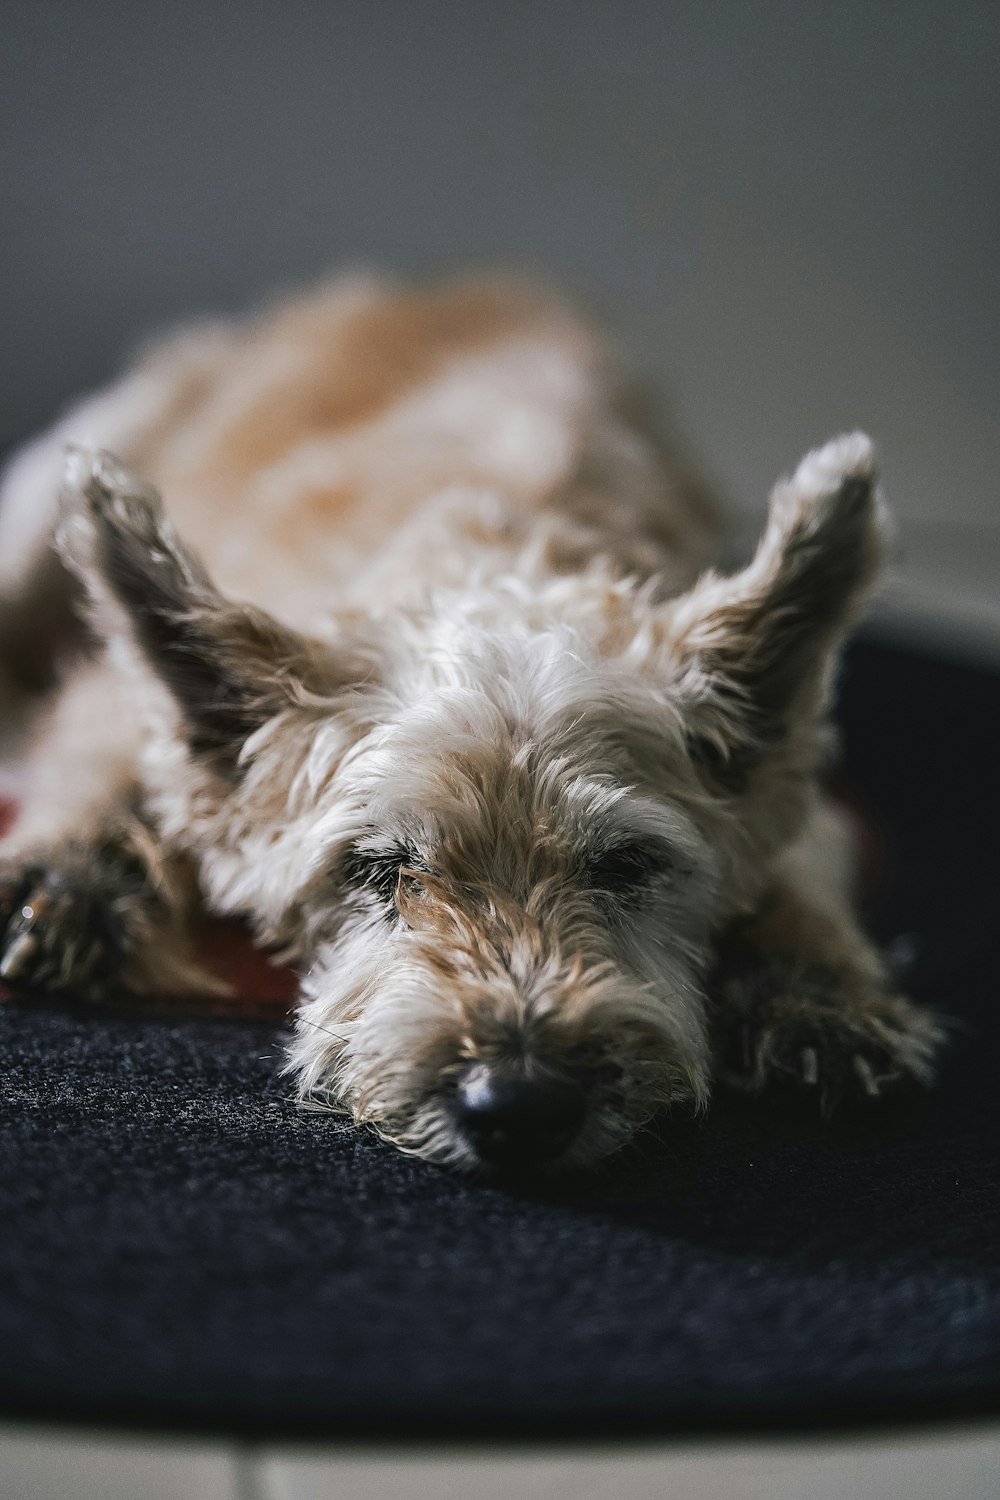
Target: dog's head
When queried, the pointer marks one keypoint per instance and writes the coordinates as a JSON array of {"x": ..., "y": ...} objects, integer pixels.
[{"x": 498, "y": 833}]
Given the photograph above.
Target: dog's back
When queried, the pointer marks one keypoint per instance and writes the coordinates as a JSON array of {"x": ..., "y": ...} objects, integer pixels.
[{"x": 372, "y": 437}]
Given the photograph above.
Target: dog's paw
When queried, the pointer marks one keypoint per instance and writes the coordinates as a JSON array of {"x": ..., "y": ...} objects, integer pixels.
[
  {"x": 64, "y": 927},
  {"x": 811, "y": 1029}
]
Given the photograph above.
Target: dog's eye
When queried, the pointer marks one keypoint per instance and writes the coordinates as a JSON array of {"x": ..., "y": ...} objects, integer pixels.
[
  {"x": 379, "y": 871},
  {"x": 624, "y": 869}
]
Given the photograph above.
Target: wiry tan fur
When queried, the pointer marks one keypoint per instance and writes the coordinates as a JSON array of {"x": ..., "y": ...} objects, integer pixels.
[{"x": 444, "y": 702}]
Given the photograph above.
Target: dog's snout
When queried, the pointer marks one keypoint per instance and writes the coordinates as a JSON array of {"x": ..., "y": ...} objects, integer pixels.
[{"x": 516, "y": 1121}]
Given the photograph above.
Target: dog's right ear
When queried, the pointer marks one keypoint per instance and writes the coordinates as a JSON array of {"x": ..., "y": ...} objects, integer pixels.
[{"x": 228, "y": 666}]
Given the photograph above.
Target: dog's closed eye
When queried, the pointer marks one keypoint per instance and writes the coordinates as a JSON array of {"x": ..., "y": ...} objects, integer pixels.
[
  {"x": 625, "y": 869},
  {"x": 381, "y": 871}
]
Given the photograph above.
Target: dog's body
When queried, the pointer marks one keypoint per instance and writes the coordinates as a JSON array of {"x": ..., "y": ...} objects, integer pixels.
[{"x": 486, "y": 754}]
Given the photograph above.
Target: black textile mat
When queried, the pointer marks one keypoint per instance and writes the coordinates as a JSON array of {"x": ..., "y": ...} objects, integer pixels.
[{"x": 180, "y": 1245}]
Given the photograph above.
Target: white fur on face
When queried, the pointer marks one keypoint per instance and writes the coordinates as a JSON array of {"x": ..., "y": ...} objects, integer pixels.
[{"x": 514, "y": 890}]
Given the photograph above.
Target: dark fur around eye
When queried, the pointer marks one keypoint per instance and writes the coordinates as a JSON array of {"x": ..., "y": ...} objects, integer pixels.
[
  {"x": 624, "y": 869},
  {"x": 377, "y": 870}
]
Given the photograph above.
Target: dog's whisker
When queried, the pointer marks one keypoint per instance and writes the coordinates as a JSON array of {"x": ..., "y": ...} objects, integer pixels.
[{"x": 339, "y": 1033}]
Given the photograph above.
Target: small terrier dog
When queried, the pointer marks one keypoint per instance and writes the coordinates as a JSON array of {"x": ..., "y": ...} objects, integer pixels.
[{"x": 443, "y": 700}]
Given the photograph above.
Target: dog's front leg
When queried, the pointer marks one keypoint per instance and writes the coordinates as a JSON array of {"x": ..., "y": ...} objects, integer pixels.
[
  {"x": 91, "y": 903},
  {"x": 801, "y": 997}
]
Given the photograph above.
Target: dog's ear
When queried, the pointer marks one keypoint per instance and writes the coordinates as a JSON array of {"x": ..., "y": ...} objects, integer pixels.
[
  {"x": 229, "y": 666},
  {"x": 752, "y": 653}
]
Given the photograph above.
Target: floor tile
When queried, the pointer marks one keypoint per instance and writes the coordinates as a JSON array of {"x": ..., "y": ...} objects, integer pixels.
[
  {"x": 963, "y": 1465},
  {"x": 40, "y": 1463}
]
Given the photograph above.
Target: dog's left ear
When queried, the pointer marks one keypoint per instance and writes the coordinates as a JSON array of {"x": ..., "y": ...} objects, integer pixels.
[
  {"x": 751, "y": 654},
  {"x": 228, "y": 666}
]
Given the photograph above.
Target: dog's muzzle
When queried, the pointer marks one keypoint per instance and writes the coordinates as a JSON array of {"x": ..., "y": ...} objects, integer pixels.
[{"x": 516, "y": 1121}]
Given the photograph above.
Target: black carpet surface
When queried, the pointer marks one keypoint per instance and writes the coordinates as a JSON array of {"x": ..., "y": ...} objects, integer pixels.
[{"x": 180, "y": 1245}]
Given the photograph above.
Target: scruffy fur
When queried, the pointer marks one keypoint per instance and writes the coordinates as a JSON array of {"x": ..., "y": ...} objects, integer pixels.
[{"x": 445, "y": 703}]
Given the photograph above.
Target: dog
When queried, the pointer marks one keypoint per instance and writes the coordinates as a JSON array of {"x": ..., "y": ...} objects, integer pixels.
[{"x": 419, "y": 667}]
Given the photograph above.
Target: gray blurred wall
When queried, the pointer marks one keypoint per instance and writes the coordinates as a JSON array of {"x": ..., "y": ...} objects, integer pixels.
[{"x": 790, "y": 211}]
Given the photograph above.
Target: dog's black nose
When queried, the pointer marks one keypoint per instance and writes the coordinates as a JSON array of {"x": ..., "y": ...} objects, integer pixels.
[{"x": 514, "y": 1121}]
